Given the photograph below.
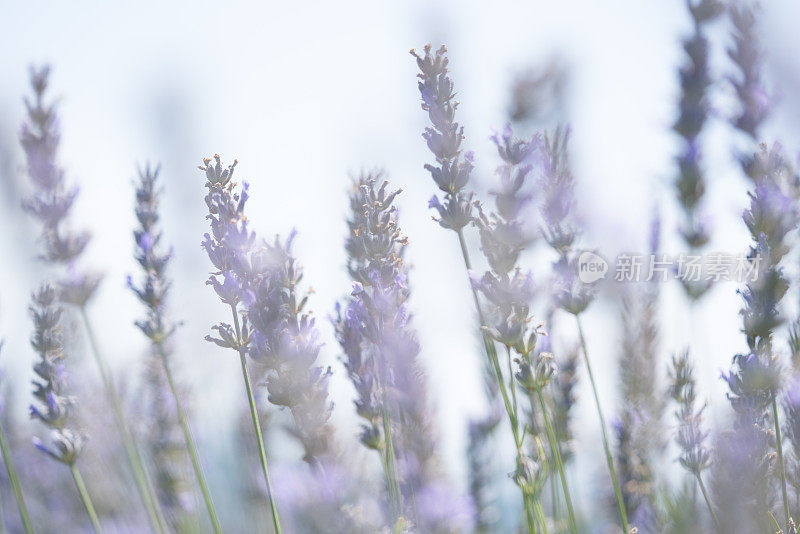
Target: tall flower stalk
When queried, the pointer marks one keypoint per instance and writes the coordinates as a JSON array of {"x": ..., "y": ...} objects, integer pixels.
[
  {"x": 51, "y": 204},
  {"x": 53, "y": 407},
  {"x": 451, "y": 173},
  {"x": 380, "y": 346},
  {"x": 231, "y": 253},
  {"x": 695, "y": 456},
  {"x": 509, "y": 291},
  {"x": 13, "y": 477},
  {"x": 755, "y": 379},
  {"x": 570, "y": 293},
  {"x": 152, "y": 290}
]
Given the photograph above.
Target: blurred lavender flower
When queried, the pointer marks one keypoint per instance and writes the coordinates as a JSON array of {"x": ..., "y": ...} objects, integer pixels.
[
  {"x": 55, "y": 405},
  {"x": 691, "y": 438},
  {"x": 452, "y": 171},
  {"x": 771, "y": 217},
  {"x": 560, "y": 230},
  {"x": 747, "y": 55},
  {"x": 275, "y": 331},
  {"x": 380, "y": 344},
  {"x": 755, "y": 378},
  {"x": 695, "y": 456},
  {"x": 695, "y": 80},
  {"x": 639, "y": 429},
  {"x": 52, "y": 200},
  {"x": 286, "y": 340},
  {"x": 166, "y": 443}
]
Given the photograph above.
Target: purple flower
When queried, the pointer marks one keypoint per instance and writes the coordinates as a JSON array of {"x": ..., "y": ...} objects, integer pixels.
[{"x": 451, "y": 172}]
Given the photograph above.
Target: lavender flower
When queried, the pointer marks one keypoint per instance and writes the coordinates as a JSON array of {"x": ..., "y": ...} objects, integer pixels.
[
  {"x": 560, "y": 230},
  {"x": 755, "y": 378},
  {"x": 747, "y": 55},
  {"x": 770, "y": 218},
  {"x": 53, "y": 198},
  {"x": 452, "y": 171},
  {"x": 54, "y": 405},
  {"x": 286, "y": 340},
  {"x": 167, "y": 446},
  {"x": 275, "y": 332},
  {"x": 639, "y": 427},
  {"x": 695, "y": 456},
  {"x": 379, "y": 342},
  {"x": 695, "y": 80}
]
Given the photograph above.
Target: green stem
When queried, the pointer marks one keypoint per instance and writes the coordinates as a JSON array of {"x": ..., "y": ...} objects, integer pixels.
[
  {"x": 609, "y": 459},
  {"x": 142, "y": 479},
  {"x": 539, "y": 511},
  {"x": 190, "y": 445},
  {"x": 705, "y": 496},
  {"x": 530, "y": 516},
  {"x": 554, "y": 447},
  {"x": 784, "y": 494},
  {"x": 87, "y": 501},
  {"x": 15, "y": 485},
  {"x": 396, "y": 495},
  {"x": 262, "y": 452}
]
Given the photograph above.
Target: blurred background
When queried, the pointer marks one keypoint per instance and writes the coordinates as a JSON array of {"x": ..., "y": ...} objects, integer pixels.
[{"x": 308, "y": 95}]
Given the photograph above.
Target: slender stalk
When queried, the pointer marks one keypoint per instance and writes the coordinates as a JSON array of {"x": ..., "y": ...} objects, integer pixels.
[
  {"x": 784, "y": 495},
  {"x": 554, "y": 447},
  {"x": 85, "y": 499},
  {"x": 15, "y": 485},
  {"x": 396, "y": 496},
  {"x": 140, "y": 475},
  {"x": 539, "y": 511},
  {"x": 256, "y": 424},
  {"x": 530, "y": 516},
  {"x": 609, "y": 459},
  {"x": 190, "y": 445},
  {"x": 491, "y": 353},
  {"x": 705, "y": 496}
]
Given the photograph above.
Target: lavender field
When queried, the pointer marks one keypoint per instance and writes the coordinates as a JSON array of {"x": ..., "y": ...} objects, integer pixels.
[{"x": 265, "y": 271}]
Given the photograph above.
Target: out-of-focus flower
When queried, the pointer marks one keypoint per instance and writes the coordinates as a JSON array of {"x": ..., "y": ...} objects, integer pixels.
[
  {"x": 54, "y": 405},
  {"x": 52, "y": 199}
]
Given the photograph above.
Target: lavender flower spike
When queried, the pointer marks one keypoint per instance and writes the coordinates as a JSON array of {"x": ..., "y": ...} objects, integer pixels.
[
  {"x": 285, "y": 338},
  {"x": 747, "y": 55},
  {"x": 755, "y": 378},
  {"x": 152, "y": 291},
  {"x": 52, "y": 200},
  {"x": 695, "y": 456},
  {"x": 53, "y": 407},
  {"x": 695, "y": 80},
  {"x": 230, "y": 247},
  {"x": 380, "y": 344},
  {"x": 452, "y": 170}
]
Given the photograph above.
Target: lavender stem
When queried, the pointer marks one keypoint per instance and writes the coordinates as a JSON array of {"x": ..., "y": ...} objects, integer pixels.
[
  {"x": 256, "y": 424},
  {"x": 143, "y": 482},
  {"x": 784, "y": 495},
  {"x": 609, "y": 459},
  {"x": 15, "y": 485},
  {"x": 87, "y": 501}
]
